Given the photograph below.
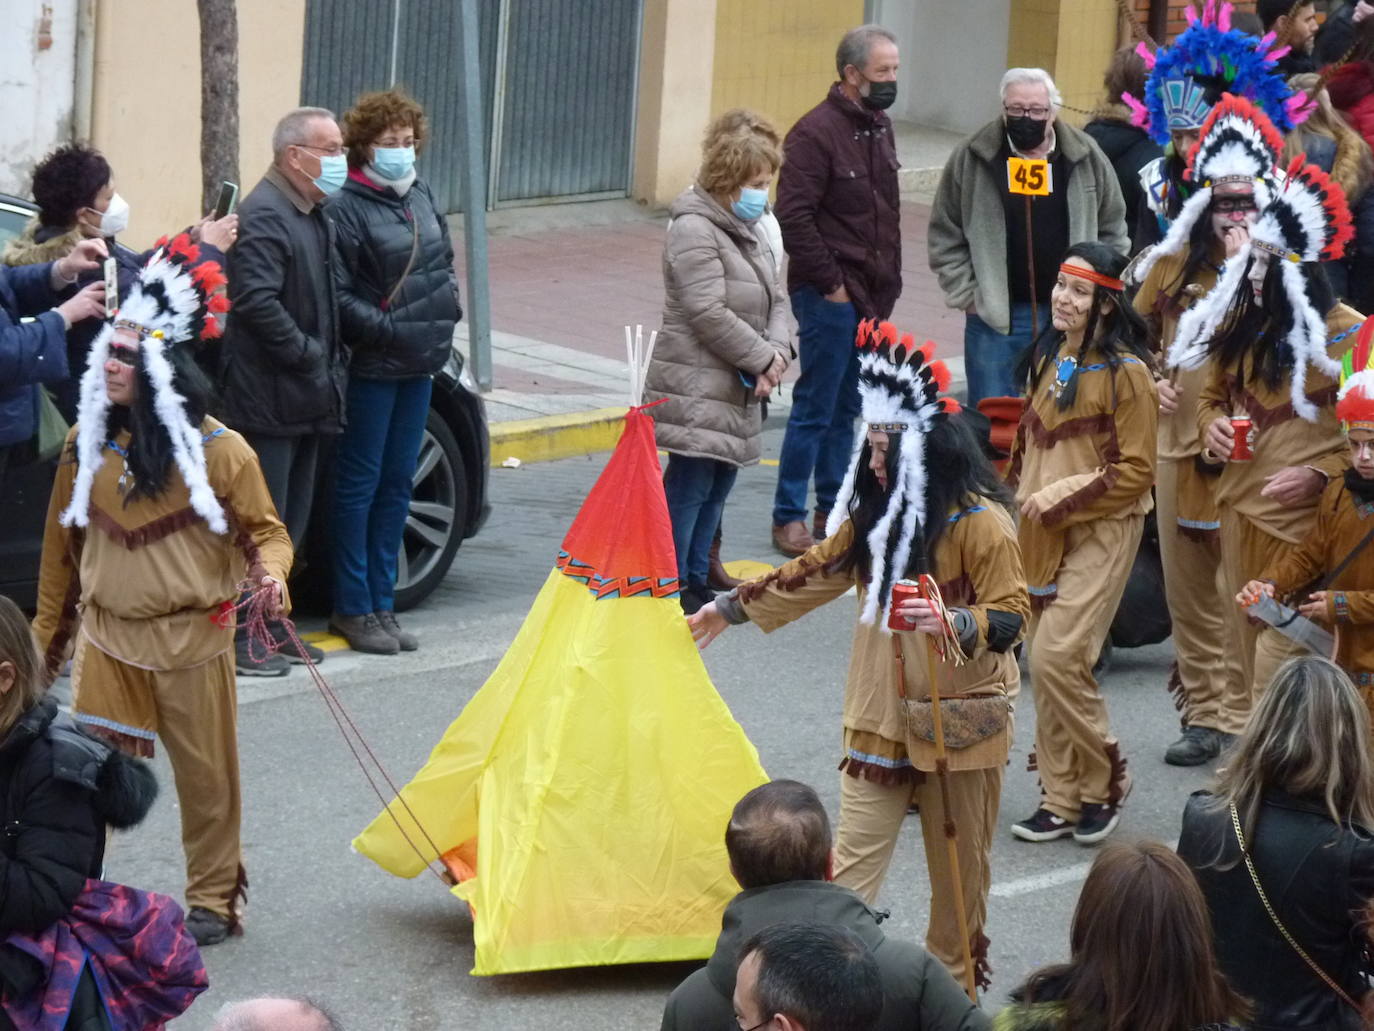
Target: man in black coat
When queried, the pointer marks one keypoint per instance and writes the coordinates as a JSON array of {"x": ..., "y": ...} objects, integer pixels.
[
  {"x": 779, "y": 845},
  {"x": 283, "y": 366}
]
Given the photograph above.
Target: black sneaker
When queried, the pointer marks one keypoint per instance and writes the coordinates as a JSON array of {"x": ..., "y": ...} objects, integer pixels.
[
  {"x": 1095, "y": 822},
  {"x": 1042, "y": 825},
  {"x": 289, "y": 651},
  {"x": 1198, "y": 745},
  {"x": 207, "y": 928},
  {"x": 249, "y": 663}
]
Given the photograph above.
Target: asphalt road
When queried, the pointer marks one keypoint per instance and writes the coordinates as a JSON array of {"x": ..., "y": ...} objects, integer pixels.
[{"x": 386, "y": 953}]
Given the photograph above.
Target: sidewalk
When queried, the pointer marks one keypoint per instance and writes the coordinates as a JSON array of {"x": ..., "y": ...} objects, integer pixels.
[{"x": 567, "y": 279}]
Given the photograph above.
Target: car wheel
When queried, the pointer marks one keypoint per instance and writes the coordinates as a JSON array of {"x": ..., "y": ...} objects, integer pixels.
[{"x": 437, "y": 518}]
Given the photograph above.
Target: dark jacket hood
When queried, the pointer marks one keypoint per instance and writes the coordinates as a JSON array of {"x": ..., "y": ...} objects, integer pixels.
[
  {"x": 794, "y": 902},
  {"x": 1115, "y": 135},
  {"x": 122, "y": 788}
]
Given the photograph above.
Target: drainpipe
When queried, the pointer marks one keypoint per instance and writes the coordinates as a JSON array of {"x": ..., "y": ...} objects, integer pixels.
[
  {"x": 1157, "y": 20},
  {"x": 83, "y": 91}
]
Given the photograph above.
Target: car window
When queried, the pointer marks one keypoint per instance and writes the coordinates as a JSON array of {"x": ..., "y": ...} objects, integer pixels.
[{"x": 13, "y": 218}]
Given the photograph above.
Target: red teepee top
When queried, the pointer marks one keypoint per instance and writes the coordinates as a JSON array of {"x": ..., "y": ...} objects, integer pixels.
[{"x": 621, "y": 543}]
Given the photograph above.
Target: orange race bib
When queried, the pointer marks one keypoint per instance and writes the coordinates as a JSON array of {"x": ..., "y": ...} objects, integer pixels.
[{"x": 1029, "y": 177}]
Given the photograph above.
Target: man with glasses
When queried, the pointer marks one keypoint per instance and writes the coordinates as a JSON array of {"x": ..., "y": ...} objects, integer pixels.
[
  {"x": 283, "y": 367},
  {"x": 1012, "y": 198}
]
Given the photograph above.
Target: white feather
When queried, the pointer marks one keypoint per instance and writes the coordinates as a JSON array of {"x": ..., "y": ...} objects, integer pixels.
[
  {"x": 839, "y": 511},
  {"x": 1176, "y": 239},
  {"x": 188, "y": 449},
  {"x": 92, "y": 413},
  {"x": 1199, "y": 323}
]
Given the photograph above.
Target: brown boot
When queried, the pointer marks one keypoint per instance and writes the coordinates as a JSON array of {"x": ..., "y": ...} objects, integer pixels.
[
  {"x": 716, "y": 577},
  {"x": 792, "y": 538},
  {"x": 818, "y": 525}
]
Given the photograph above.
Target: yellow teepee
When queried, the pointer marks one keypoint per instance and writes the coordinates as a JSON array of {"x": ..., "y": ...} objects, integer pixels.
[{"x": 584, "y": 791}]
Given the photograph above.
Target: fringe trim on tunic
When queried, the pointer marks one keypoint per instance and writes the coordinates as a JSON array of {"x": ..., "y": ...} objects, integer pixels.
[
  {"x": 1116, "y": 787},
  {"x": 240, "y": 891},
  {"x": 1085, "y": 497},
  {"x": 1032, "y": 762},
  {"x": 66, "y": 620},
  {"x": 885, "y": 775},
  {"x": 795, "y": 581},
  {"x": 982, "y": 969},
  {"x": 1103, "y": 422},
  {"x": 148, "y": 533},
  {"x": 1264, "y": 417}
]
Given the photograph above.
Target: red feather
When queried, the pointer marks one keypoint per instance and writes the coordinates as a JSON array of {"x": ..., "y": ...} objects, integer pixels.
[
  {"x": 1339, "y": 228},
  {"x": 184, "y": 247},
  {"x": 217, "y": 303},
  {"x": 1232, "y": 106},
  {"x": 208, "y": 276},
  {"x": 1363, "y": 339},
  {"x": 211, "y": 329},
  {"x": 863, "y": 336},
  {"x": 939, "y": 371},
  {"x": 888, "y": 332},
  {"x": 950, "y": 406}
]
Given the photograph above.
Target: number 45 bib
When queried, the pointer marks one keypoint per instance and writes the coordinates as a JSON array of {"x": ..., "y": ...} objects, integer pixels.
[{"x": 1030, "y": 177}]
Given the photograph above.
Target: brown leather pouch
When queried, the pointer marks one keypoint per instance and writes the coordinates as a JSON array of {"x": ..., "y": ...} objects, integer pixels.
[{"x": 967, "y": 720}]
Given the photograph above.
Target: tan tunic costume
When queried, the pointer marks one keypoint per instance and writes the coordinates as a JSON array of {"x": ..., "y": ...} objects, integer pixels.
[
  {"x": 1189, "y": 524},
  {"x": 978, "y": 566},
  {"x": 152, "y": 659},
  {"x": 1258, "y": 531},
  {"x": 1342, "y": 522},
  {"x": 1090, "y": 469}
]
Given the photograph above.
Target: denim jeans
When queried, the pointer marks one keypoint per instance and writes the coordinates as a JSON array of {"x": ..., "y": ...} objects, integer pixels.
[
  {"x": 372, "y": 484},
  {"x": 696, "y": 489},
  {"x": 990, "y": 356},
  {"x": 825, "y": 402}
]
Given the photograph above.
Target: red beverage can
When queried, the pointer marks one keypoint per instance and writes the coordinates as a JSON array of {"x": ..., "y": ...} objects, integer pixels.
[
  {"x": 1242, "y": 446},
  {"x": 901, "y": 591}
]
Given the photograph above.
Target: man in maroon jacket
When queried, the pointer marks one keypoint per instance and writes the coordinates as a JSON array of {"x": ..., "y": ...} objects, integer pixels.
[{"x": 838, "y": 208}]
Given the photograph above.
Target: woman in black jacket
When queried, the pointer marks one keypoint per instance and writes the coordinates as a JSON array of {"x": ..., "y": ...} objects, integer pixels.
[
  {"x": 1298, "y": 788},
  {"x": 398, "y": 305},
  {"x": 59, "y": 790}
]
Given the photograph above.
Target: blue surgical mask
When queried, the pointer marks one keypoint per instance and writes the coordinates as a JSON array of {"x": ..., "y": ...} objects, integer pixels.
[
  {"x": 751, "y": 203},
  {"x": 393, "y": 162},
  {"x": 333, "y": 172}
]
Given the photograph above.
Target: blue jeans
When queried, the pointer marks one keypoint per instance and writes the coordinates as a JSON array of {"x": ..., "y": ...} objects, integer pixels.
[
  {"x": 990, "y": 357},
  {"x": 825, "y": 403},
  {"x": 372, "y": 483},
  {"x": 696, "y": 489}
]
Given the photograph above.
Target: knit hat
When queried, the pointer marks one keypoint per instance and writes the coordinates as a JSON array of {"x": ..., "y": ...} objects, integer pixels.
[
  {"x": 899, "y": 389},
  {"x": 173, "y": 304}
]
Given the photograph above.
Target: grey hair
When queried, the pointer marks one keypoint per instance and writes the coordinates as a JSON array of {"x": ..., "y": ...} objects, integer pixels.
[
  {"x": 857, "y": 43},
  {"x": 1309, "y": 737},
  {"x": 238, "y": 1016},
  {"x": 291, "y": 130},
  {"x": 1033, "y": 76}
]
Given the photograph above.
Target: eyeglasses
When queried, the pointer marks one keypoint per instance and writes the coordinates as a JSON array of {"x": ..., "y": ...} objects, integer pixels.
[
  {"x": 333, "y": 151},
  {"x": 1230, "y": 205},
  {"x": 1017, "y": 111}
]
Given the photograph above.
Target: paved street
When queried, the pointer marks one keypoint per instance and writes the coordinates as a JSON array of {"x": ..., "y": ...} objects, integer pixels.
[{"x": 395, "y": 954}]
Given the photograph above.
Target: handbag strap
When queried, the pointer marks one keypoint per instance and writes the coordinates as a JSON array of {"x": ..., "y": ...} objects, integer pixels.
[
  {"x": 1254, "y": 876},
  {"x": 410, "y": 263}
]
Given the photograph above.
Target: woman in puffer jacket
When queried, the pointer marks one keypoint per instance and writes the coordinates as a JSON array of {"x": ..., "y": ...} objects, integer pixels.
[
  {"x": 725, "y": 339},
  {"x": 398, "y": 305},
  {"x": 99, "y": 955}
]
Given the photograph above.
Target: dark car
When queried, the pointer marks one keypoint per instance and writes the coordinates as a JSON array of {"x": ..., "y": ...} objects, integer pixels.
[{"x": 448, "y": 504}]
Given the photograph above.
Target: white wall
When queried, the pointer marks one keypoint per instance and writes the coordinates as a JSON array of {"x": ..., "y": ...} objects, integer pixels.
[
  {"x": 36, "y": 85},
  {"x": 953, "y": 55}
]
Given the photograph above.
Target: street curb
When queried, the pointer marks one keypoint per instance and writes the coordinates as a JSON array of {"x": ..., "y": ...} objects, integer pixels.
[{"x": 550, "y": 437}]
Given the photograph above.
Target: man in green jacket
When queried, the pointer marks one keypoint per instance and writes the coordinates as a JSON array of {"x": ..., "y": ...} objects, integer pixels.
[
  {"x": 779, "y": 845},
  {"x": 1012, "y": 198}
]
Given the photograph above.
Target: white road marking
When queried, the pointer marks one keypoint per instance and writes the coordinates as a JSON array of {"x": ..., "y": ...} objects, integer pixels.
[{"x": 1041, "y": 881}]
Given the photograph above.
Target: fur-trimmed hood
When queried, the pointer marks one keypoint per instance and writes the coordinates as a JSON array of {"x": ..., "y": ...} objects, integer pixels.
[{"x": 39, "y": 244}]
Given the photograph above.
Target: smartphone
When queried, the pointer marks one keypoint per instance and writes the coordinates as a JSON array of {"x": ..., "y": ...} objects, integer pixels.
[
  {"x": 228, "y": 200},
  {"x": 111, "y": 286}
]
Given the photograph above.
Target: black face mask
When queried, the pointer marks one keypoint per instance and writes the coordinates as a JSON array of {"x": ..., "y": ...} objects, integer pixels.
[
  {"x": 880, "y": 95},
  {"x": 1026, "y": 133}
]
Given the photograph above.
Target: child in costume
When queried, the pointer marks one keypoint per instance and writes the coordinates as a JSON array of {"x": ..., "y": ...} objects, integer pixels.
[
  {"x": 918, "y": 494},
  {"x": 1262, "y": 336},
  {"x": 1082, "y": 465},
  {"x": 1335, "y": 555},
  {"x": 157, "y": 513}
]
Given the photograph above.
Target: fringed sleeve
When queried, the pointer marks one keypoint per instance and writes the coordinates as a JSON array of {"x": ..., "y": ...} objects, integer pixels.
[
  {"x": 59, "y": 582},
  {"x": 795, "y": 588},
  {"x": 991, "y": 560}
]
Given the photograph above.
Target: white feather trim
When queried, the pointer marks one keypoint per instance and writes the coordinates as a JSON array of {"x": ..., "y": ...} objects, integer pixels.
[
  {"x": 1199, "y": 323},
  {"x": 92, "y": 414},
  {"x": 1176, "y": 239},
  {"x": 1307, "y": 338},
  {"x": 839, "y": 511},
  {"x": 894, "y": 554}
]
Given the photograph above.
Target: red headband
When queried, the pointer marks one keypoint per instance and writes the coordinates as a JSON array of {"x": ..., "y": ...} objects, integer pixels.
[{"x": 1092, "y": 277}]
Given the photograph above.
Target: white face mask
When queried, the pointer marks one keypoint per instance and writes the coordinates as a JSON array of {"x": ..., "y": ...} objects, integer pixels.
[{"x": 115, "y": 218}]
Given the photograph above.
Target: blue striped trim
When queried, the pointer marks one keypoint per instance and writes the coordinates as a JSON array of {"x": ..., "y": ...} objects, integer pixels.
[
  {"x": 1040, "y": 592},
  {"x": 1341, "y": 336},
  {"x": 1200, "y": 524},
  {"x": 967, "y": 512},
  {"x": 878, "y": 760},
  {"x": 100, "y": 721},
  {"x": 1099, "y": 366}
]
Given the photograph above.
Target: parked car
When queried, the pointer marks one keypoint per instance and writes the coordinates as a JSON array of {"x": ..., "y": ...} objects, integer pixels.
[{"x": 449, "y": 502}]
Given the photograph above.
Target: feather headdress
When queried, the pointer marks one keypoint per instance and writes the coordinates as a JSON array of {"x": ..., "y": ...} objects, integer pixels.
[
  {"x": 175, "y": 303},
  {"x": 1238, "y": 144},
  {"x": 1355, "y": 403},
  {"x": 899, "y": 389}
]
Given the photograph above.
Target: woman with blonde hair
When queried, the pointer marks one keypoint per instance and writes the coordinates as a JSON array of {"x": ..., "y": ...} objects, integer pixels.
[
  {"x": 1140, "y": 955},
  {"x": 1282, "y": 849},
  {"x": 725, "y": 341},
  {"x": 1329, "y": 142}
]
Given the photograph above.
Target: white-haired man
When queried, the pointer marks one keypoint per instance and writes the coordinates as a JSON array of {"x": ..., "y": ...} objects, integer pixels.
[{"x": 1012, "y": 198}]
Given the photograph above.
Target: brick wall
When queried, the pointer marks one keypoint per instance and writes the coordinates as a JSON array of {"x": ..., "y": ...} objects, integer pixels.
[{"x": 1177, "y": 22}]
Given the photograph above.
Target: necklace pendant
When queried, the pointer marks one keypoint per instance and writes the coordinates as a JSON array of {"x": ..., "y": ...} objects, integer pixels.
[{"x": 1064, "y": 370}]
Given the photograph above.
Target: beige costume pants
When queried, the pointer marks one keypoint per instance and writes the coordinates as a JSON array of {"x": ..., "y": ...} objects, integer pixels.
[
  {"x": 871, "y": 816},
  {"x": 1197, "y": 608},
  {"x": 197, "y": 717},
  {"x": 1078, "y": 757},
  {"x": 1245, "y": 552}
]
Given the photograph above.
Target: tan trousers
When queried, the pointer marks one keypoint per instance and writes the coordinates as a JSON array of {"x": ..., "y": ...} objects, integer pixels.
[
  {"x": 871, "y": 816},
  {"x": 197, "y": 715},
  {"x": 1197, "y": 608},
  {"x": 1245, "y": 552},
  {"x": 1077, "y": 754}
]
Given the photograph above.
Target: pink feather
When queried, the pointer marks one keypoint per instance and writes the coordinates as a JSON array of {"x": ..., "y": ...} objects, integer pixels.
[
  {"x": 1224, "y": 21},
  {"x": 1140, "y": 116},
  {"x": 1299, "y": 107},
  {"x": 1190, "y": 14},
  {"x": 1209, "y": 12},
  {"x": 1146, "y": 54},
  {"x": 1266, "y": 41},
  {"x": 1274, "y": 56}
]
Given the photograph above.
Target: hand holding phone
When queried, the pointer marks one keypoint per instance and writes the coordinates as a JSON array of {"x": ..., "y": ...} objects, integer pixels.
[
  {"x": 111, "y": 286},
  {"x": 227, "y": 201}
]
